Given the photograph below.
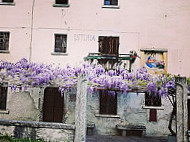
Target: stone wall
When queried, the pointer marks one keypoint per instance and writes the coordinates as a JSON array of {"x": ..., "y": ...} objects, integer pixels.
[
  {"x": 34, "y": 130},
  {"x": 28, "y": 106},
  {"x": 130, "y": 108},
  {"x": 22, "y": 105}
]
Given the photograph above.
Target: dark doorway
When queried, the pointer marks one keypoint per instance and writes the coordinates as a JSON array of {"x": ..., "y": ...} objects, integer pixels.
[
  {"x": 188, "y": 106},
  {"x": 53, "y": 105}
]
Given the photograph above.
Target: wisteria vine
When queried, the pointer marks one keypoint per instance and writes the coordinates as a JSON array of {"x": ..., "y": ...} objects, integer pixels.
[{"x": 23, "y": 74}]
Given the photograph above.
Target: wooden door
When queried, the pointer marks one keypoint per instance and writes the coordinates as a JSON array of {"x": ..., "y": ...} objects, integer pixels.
[
  {"x": 188, "y": 107},
  {"x": 53, "y": 105}
]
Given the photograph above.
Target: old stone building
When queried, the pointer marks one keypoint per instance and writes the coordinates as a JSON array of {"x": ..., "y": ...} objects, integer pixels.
[{"x": 64, "y": 32}]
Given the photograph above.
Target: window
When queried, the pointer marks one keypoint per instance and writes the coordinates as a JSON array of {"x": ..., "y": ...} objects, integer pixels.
[
  {"x": 153, "y": 115},
  {"x": 108, "y": 45},
  {"x": 61, "y": 1},
  {"x": 9, "y": 1},
  {"x": 155, "y": 101},
  {"x": 4, "y": 41},
  {"x": 3, "y": 97},
  {"x": 152, "y": 100},
  {"x": 110, "y": 2},
  {"x": 108, "y": 102},
  {"x": 60, "y": 43}
]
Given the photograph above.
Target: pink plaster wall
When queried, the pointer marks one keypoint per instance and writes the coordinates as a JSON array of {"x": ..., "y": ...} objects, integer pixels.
[{"x": 138, "y": 23}]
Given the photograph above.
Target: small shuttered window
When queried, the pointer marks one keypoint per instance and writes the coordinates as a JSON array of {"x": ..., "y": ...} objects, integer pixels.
[
  {"x": 152, "y": 100},
  {"x": 11, "y": 1},
  {"x": 108, "y": 45},
  {"x": 153, "y": 115},
  {"x": 60, "y": 43},
  {"x": 4, "y": 41},
  {"x": 110, "y": 2},
  {"x": 61, "y": 1}
]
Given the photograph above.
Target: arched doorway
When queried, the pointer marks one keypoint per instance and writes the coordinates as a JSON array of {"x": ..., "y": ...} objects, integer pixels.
[{"x": 53, "y": 105}]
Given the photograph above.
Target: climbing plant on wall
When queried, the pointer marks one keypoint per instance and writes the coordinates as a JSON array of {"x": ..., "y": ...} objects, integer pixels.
[{"x": 23, "y": 74}]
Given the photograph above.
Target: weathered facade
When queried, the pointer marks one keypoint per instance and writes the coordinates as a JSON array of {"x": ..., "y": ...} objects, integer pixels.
[{"x": 131, "y": 110}]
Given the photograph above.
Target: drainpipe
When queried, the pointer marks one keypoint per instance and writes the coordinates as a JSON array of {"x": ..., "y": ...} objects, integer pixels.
[{"x": 31, "y": 31}]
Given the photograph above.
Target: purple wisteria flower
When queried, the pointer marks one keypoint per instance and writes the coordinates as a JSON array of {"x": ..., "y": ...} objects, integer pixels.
[{"x": 26, "y": 74}]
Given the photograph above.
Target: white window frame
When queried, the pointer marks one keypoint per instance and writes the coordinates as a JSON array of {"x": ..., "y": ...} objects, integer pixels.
[
  {"x": 4, "y": 50},
  {"x": 60, "y": 53},
  {"x": 111, "y": 6},
  {"x": 152, "y": 107}
]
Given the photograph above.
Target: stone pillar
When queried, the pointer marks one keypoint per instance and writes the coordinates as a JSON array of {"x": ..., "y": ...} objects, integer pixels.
[
  {"x": 81, "y": 109},
  {"x": 181, "y": 108}
]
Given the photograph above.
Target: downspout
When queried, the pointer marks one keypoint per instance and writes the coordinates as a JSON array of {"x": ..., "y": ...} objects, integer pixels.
[{"x": 31, "y": 32}]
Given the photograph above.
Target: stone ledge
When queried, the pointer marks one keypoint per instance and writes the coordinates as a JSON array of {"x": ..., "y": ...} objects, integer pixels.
[
  {"x": 4, "y": 51},
  {"x": 90, "y": 125},
  {"x": 124, "y": 128},
  {"x": 130, "y": 127},
  {"x": 107, "y": 116},
  {"x": 36, "y": 124},
  {"x": 59, "y": 53},
  {"x": 61, "y": 5},
  {"x": 4, "y": 111},
  {"x": 153, "y": 107},
  {"x": 7, "y": 3},
  {"x": 154, "y": 49},
  {"x": 111, "y": 6}
]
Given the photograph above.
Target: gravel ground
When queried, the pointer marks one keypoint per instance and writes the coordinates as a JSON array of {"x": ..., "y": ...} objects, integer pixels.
[{"x": 101, "y": 138}]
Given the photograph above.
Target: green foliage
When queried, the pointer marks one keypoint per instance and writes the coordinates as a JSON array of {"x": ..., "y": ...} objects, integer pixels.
[
  {"x": 6, "y": 138},
  {"x": 188, "y": 81}
]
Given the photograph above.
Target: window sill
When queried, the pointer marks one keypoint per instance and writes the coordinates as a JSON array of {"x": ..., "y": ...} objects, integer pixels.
[
  {"x": 7, "y": 3},
  {"x": 59, "y": 53},
  {"x": 153, "y": 107},
  {"x": 111, "y": 6},
  {"x": 61, "y": 5},
  {"x": 107, "y": 116},
  {"x": 4, "y": 51},
  {"x": 4, "y": 111}
]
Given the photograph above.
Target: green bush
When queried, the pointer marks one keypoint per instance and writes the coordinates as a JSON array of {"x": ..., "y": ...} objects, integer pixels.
[{"x": 6, "y": 138}]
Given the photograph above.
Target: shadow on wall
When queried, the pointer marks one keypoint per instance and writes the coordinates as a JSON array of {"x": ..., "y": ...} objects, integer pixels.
[{"x": 23, "y": 132}]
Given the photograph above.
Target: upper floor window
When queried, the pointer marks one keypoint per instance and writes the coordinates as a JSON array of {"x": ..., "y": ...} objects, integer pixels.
[
  {"x": 4, "y": 41},
  {"x": 108, "y": 45},
  {"x": 108, "y": 102},
  {"x": 3, "y": 97},
  {"x": 7, "y": 2},
  {"x": 60, "y": 43},
  {"x": 61, "y": 1},
  {"x": 110, "y": 2},
  {"x": 11, "y": 1}
]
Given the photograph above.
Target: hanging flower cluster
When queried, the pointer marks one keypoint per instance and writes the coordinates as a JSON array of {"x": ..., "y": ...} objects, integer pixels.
[{"x": 24, "y": 74}]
